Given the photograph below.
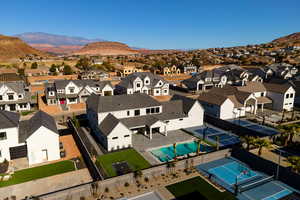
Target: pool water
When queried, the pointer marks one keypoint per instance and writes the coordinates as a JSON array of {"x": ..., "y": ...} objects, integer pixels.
[
  {"x": 165, "y": 154},
  {"x": 232, "y": 172}
]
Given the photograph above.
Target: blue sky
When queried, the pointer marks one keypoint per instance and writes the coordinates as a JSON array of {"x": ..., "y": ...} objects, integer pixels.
[{"x": 156, "y": 24}]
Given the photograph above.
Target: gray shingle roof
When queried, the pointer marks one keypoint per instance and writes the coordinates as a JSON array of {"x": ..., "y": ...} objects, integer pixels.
[
  {"x": 9, "y": 119},
  {"x": 17, "y": 86},
  {"x": 39, "y": 119},
  {"x": 120, "y": 102},
  {"x": 127, "y": 82},
  {"x": 187, "y": 103},
  {"x": 277, "y": 88},
  {"x": 108, "y": 124}
]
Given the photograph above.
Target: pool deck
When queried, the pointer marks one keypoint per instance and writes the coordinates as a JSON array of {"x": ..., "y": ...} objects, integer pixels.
[{"x": 143, "y": 144}]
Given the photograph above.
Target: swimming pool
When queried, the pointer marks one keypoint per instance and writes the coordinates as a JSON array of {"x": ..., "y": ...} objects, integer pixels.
[
  {"x": 165, "y": 154},
  {"x": 232, "y": 173}
]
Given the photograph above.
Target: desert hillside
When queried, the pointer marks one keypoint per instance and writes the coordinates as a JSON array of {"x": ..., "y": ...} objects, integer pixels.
[
  {"x": 289, "y": 40},
  {"x": 12, "y": 48},
  {"x": 106, "y": 48}
]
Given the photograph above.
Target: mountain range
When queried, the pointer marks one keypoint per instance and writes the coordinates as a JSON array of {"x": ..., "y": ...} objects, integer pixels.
[{"x": 55, "y": 43}]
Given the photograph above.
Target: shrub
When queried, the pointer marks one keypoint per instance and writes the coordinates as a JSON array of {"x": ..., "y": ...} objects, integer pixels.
[
  {"x": 106, "y": 190},
  {"x": 126, "y": 184},
  {"x": 146, "y": 179},
  {"x": 4, "y": 166}
]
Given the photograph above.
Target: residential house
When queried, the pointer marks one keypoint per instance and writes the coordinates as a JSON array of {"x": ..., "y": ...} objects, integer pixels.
[
  {"x": 65, "y": 92},
  {"x": 230, "y": 75},
  {"x": 173, "y": 70},
  {"x": 115, "y": 118},
  {"x": 190, "y": 69},
  {"x": 36, "y": 138},
  {"x": 143, "y": 82},
  {"x": 283, "y": 96},
  {"x": 14, "y": 96},
  {"x": 41, "y": 71},
  {"x": 124, "y": 71},
  {"x": 93, "y": 75},
  {"x": 282, "y": 70}
]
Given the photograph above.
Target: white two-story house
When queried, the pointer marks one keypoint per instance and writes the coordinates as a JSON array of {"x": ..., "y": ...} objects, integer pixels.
[
  {"x": 75, "y": 91},
  {"x": 36, "y": 138},
  {"x": 143, "y": 82},
  {"x": 14, "y": 97},
  {"x": 115, "y": 118}
]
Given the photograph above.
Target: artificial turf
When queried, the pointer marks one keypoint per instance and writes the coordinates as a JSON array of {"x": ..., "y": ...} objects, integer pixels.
[
  {"x": 133, "y": 159},
  {"x": 43, "y": 171},
  {"x": 198, "y": 185}
]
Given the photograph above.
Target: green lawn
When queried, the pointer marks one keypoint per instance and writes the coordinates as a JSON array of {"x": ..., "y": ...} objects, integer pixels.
[
  {"x": 133, "y": 158},
  {"x": 24, "y": 113},
  {"x": 198, "y": 184},
  {"x": 33, "y": 173}
]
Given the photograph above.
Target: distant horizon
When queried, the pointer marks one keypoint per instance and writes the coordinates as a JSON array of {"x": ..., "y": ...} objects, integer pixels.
[{"x": 155, "y": 24}]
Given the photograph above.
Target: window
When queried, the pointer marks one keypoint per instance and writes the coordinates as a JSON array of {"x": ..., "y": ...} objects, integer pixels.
[
  {"x": 146, "y": 81},
  {"x": 72, "y": 100},
  {"x": 10, "y": 96},
  {"x": 157, "y": 110},
  {"x": 180, "y": 119},
  {"x": 157, "y": 91},
  {"x": 51, "y": 93},
  {"x": 126, "y": 135},
  {"x": 165, "y": 91},
  {"x": 152, "y": 110},
  {"x": 114, "y": 138},
  {"x": 262, "y": 94},
  {"x": 1, "y": 98},
  {"x": 138, "y": 85},
  {"x": 136, "y": 112},
  {"x": 20, "y": 96},
  {"x": 287, "y": 96},
  {"x": 3, "y": 136},
  {"x": 71, "y": 90},
  {"x": 148, "y": 111},
  {"x": 22, "y": 105},
  {"x": 0, "y": 154},
  {"x": 128, "y": 113},
  {"x": 291, "y": 95}
]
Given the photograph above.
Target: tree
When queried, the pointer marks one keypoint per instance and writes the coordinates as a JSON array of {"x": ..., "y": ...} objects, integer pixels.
[
  {"x": 21, "y": 71},
  {"x": 53, "y": 68},
  {"x": 67, "y": 70},
  {"x": 294, "y": 162},
  {"x": 84, "y": 64},
  {"x": 260, "y": 144},
  {"x": 291, "y": 130},
  {"x": 174, "y": 149},
  {"x": 198, "y": 146},
  {"x": 249, "y": 140},
  {"x": 34, "y": 65}
]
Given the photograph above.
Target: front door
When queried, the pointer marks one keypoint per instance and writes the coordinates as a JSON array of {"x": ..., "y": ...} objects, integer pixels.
[
  {"x": 12, "y": 107},
  {"x": 45, "y": 155},
  {"x": 62, "y": 101}
]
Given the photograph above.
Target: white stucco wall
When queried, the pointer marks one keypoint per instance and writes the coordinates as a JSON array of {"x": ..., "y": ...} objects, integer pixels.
[
  {"x": 12, "y": 140},
  {"x": 227, "y": 110},
  {"x": 280, "y": 101},
  {"x": 120, "y": 131},
  {"x": 43, "y": 139}
]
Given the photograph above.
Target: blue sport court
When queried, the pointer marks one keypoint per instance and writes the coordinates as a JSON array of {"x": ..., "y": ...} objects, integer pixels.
[
  {"x": 264, "y": 130},
  {"x": 247, "y": 184},
  {"x": 211, "y": 134}
]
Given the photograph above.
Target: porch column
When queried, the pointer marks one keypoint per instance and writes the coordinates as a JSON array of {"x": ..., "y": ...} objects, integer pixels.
[
  {"x": 150, "y": 135},
  {"x": 262, "y": 107}
]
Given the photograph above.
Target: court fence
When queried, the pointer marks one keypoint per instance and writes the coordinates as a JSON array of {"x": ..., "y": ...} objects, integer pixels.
[
  {"x": 268, "y": 167},
  {"x": 229, "y": 126}
]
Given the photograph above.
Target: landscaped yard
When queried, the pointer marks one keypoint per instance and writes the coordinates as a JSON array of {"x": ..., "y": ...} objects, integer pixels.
[
  {"x": 199, "y": 185},
  {"x": 133, "y": 159},
  {"x": 33, "y": 173}
]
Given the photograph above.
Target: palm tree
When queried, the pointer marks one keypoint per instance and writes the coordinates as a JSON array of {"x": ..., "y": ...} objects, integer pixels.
[
  {"x": 295, "y": 163},
  {"x": 249, "y": 140},
  {"x": 291, "y": 130},
  {"x": 260, "y": 144},
  {"x": 198, "y": 146},
  {"x": 218, "y": 142},
  {"x": 174, "y": 148}
]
